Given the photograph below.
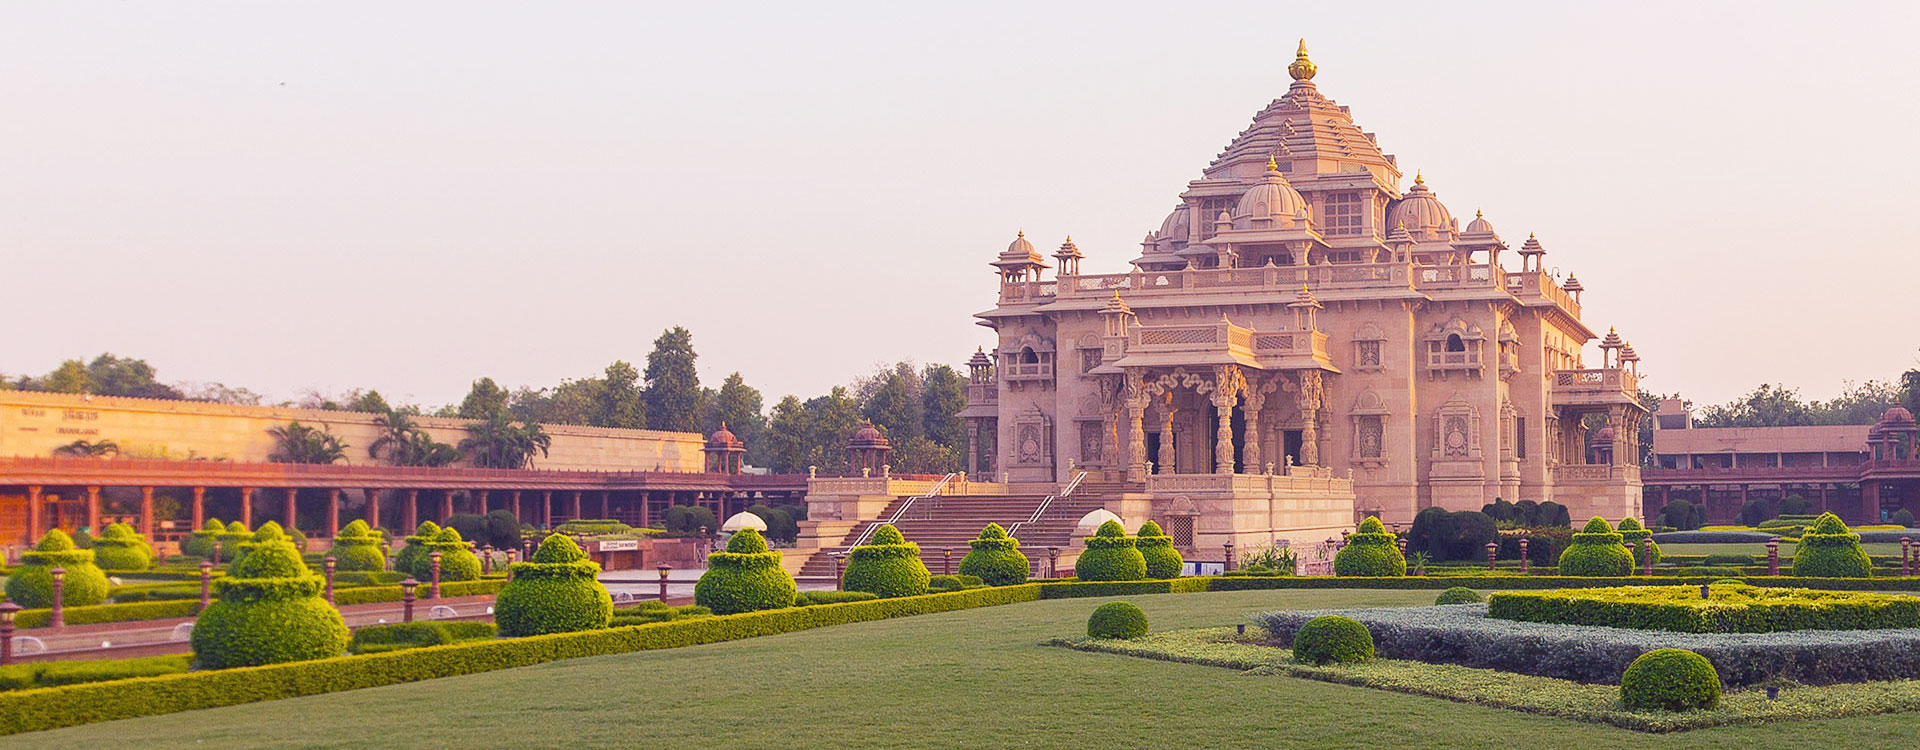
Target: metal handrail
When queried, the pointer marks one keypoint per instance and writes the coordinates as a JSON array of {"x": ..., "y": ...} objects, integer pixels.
[
  {"x": 902, "y": 512},
  {"x": 1047, "y": 502}
]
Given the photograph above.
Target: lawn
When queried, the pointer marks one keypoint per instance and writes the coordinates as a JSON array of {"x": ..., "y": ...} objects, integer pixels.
[{"x": 962, "y": 679}]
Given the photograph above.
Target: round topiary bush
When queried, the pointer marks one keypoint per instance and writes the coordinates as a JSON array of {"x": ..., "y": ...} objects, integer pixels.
[
  {"x": 1596, "y": 551},
  {"x": 233, "y": 541},
  {"x": 558, "y": 592},
  {"x": 1163, "y": 561},
  {"x": 416, "y": 547},
  {"x": 119, "y": 548},
  {"x": 1829, "y": 549},
  {"x": 745, "y": 578},
  {"x": 995, "y": 558},
  {"x": 457, "y": 561},
  {"x": 1670, "y": 679},
  {"x": 1459, "y": 595},
  {"x": 1371, "y": 551},
  {"x": 1631, "y": 532},
  {"x": 30, "y": 584},
  {"x": 1111, "y": 556},
  {"x": 269, "y": 611},
  {"x": 1117, "y": 620},
  {"x": 204, "y": 540},
  {"x": 887, "y": 565},
  {"x": 1332, "y": 640},
  {"x": 358, "y": 547}
]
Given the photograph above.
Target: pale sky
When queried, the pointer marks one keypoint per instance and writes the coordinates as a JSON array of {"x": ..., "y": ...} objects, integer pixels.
[{"x": 407, "y": 196}]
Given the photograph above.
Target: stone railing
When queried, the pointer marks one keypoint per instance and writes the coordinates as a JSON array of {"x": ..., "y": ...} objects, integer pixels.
[
  {"x": 1288, "y": 279},
  {"x": 897, "y": 486},
  {"x": 1594, "y": 473},
  {"x": 1300, "y": 478},
  {"x": 1597, "y": 381}
]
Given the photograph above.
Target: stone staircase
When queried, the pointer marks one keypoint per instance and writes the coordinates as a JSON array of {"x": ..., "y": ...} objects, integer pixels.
[{"x": 948, "y": 522}]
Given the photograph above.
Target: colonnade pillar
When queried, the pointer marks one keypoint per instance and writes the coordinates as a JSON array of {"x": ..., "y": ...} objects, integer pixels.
[
  {"x": 576, "y": 506},
  {"x": 246, "y": 507},
  {"x": 446, "y": 505},
  {"x": 411, "y": 512},
  {"x": 35, "y": 521},
  {"x": 199, "y": 508},
  {"x": 1250, "y": 453},
  {"x": 333, "y": 513},
  {"x": 1167, "y": 459},
  {"x": 293, "y": 509},
  {"x": 93, "y": 510},
  {"x": 146, "y": 510},
  {"x": 516, "y": 507},
  {"x": 373, "y": 508},
  {"x": 546, "y": 509},
  {"x": 1136, "y": 435}
]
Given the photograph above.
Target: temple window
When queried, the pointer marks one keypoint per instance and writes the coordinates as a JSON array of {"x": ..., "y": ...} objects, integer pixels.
[
  {"x": 1027, "y": 357},
  {"x": 1368, "y": 353},
  {"x": 1089, "y": 359},
  {"x": 1343, "y": 214},
  {"x": 1454, "y": 344},
  {"x": 1369, "y": 435},
  {"x": 1519, "y": 437}
]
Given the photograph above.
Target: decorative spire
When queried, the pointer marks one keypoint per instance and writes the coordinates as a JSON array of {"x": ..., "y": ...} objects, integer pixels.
[
  {"x": 1302, "y": 68},
  {"x": 1272, "y": 165},
  {"x": 1418, "y": 177}
]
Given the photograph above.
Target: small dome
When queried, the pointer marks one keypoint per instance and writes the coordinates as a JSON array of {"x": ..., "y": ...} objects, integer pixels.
[
  {"x": 1573, "y": 282},
  {"x": 1604, "y": 436},
  {"x": 1612, "y": 340},
  {"x": 1020, "y": 245},
  {"x": 1272, "y": 204},
  {"x": 1177, "y": 225},
  {"x": 1421, "y": 212},
  {"x": 1091, "y": 522},
  {"x": 868, "y": 436},
  {"x": 1479, "y": 225},
  {"x": 743, "y": 520},
  {"x": 722, "y": 438},
  {"x": 1896, "y": 417}
]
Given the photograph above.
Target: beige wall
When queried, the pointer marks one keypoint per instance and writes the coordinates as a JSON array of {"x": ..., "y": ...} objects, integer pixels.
[{"x": 34, "y": 424}]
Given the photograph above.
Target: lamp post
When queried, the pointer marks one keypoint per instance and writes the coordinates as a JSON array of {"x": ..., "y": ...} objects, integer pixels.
[
  {"x": 1228, "y": 565},
  {"x": 330, "y": 564},
  {"x": 1773, "y": 557},
  {"x": 1493, "y": 552},
  {"x": 7, "y": 611},
  {"x": 433, "y": 590},
  {"x": 206, "y": 584},
  {"x": 486, "y": 559},
  {"x": 946, "y": 560},
  {"x": 1526, "y": 567},
  {"x": 406, "y": 599},
  {"x": 664, "y": 570},
  {"x": 1906, "y": 556},
  {"x": 527, "y": 544},
  {"x": 59, "y": 614},
  {"x": 1053, "y": 562},
  {"x": 837, "y": 558}
]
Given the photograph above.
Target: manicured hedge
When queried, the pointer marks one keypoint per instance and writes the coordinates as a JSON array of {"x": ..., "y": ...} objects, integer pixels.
[
  {"x": 202, "y": 542},
  {"x": 813, "y": 598},
  {"x": 745, "y": 578},
  {"x": 1670, "y": 679},
  {"x": 1829, "y": 548},
  {"x": 996, "y": 558},
  {"x": 1122, "y": 620},
  {"x": 887, "y": 565},
  {"x": 1371, "y": 551},
  {"x": 373, "y": 639},
  {"x": 55, "y": 673},
  {"x": 49, "y": 708},
  {"x": 31, "y": 583},
  {"x": 269, "y": 611},
  {"x": 358, "y": 548},
  {"x": 557, "y": 592},
  {"x": 1332, "y": 639},
  {"x": 1163, "y": 561},
  {"x": 1111, "y": 555},
  {"x": 1597, "y": 551},
  {"x": 1733, "y": 608},
  {"x": 119, "y": 548}
]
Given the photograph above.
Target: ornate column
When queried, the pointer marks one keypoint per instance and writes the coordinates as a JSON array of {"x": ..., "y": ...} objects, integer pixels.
[
  {"x": 1227, "y": 385},
  {"x": 1309, "y": 402},
  {"x": 973, "y": 447},
  {"x": 412, "y": 517},
  {"x": 1136, "y": 438},
  {"x": 373, "y": 508},
  {"x": 293, "y": 510},
  {"x": 333, "y": 513},
  {"x": 1166, "y": 459},
  {"x": 93, "y": 508},
  {"x": 146, "y": 512},
  {"x": 516, "y": 507},
  {"x": 246, "y": 507},
  {"x": 34, "y": 518},
  {"x": 446, "y": 505},
  {"x": 199, "y": 507},
  {"x": 546, "y": 509},
  {"x": 1250, "y": 453}
]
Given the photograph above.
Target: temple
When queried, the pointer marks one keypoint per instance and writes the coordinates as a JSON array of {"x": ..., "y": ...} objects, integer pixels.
[{"x": 1300, "y": 343}]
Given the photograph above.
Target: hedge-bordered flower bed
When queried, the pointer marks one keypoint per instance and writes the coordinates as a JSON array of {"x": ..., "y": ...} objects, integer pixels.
[{"x": 1731, "y": 609}]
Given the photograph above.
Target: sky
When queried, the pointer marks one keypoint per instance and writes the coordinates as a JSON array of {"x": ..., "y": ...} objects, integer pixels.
[{"x": 407, "y": 196}]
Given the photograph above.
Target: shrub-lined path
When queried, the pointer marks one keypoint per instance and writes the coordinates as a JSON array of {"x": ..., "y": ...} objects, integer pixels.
[{"x": 976, "y": 678}]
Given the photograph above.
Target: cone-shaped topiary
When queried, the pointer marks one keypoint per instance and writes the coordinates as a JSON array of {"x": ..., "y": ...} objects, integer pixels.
[
  {"x": 233, "y": 540},
  {"x": 1111, "y": 556},
  {"x": 745, "y": 578},
  {"x": 270, "y": 531},
  {"x": 119, "y": 548},
  {"x": 1117, "y": 620},
  {"x": 416, "y": 547},
  {"x": 1829, "y": 549},
  {"x": 358, "y": 547},
  {"x": 1370, "y": 551},
  {"x": 1670, "y": 679},
  {"x": 202, "y": 541},
  {"x": 1163, "y": 561},
  {"x": 1596, "y": 551},
  {"x": 1630, "y": 532},
  {"x": 457, "y": 561},
  {"x": 995, "y": 558},
  {"x": 269, "y": 611},
  {"x": 1332, "y": 640},
  {"x": 31, "y": 584},
  {"x": 558, "y": 592},
  {"x": 887, "y": 565}
]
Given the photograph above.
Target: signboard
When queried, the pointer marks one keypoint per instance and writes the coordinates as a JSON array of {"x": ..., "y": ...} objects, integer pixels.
[{"x": 619, "y": 545}]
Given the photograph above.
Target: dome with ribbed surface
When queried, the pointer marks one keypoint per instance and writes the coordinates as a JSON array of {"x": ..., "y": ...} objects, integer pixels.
[
  {"x": 1479, "y": 225},
  {"x": 1421, "y": 213},
  {"x": 1271, "y": 204}
]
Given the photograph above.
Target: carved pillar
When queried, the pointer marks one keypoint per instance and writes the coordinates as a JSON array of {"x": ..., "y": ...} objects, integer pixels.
[
  {"x": 1309, "y": 403},
  {"x": 1250, "y": 453},
  {"x": 35, "y": 518},
  {"x": 333, "y": 513},
  {"x": 1166, "y": 459},
  {"x": 246, "y": 507},
  {"x": 93, "y": 508},
  {"x": 199, "y": 506},
  {"x": 516, "y": 508},
  {"x": 293, "y": 509},
  {"x": 546, "y": 509},
  {"x": 373, "y": 508},
  {"x": 1226, "y": 392},
  {"x": 1136, "y": 437},
  {"x": 412, "y": 518},
  {"x": 973, "y": 447},
  {"x": 146, "y": 513}
]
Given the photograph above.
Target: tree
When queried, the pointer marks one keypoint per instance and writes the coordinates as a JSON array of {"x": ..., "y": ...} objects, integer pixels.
[
  {"x": 484, "y": 400},
  {"x": 69, "y": 377},
  {"x": 831, "y": 419},
  {"x": 673, "y": 385},
  {"x": 498, "y": 443},
  {"x": 943, "y": 394},
  {"x": 109, "y": 375},
  {"x": 737, "y": 405},
  {"x": 918, "y": 455},
  {"x": 369, "y": 402},
  {"x": 219, "y": 393},
  {"x": 787, "y": 445},
  {"x": 403, "y": 443},
  {"x": 895, "y": 405},
  {"x": 301, "y": 444},
  {"x": 618, "y": 402}
]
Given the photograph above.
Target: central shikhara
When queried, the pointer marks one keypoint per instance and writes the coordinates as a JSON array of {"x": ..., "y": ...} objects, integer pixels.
[{"x": 1300, "y": 343}]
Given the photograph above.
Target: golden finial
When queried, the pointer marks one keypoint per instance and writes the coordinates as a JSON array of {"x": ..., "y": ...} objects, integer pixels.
[
  {"x": 1069, "y": 239},
  {"x": 1023, "y": 234},
  {"x": 1302, "y": 69},
  {"x": 1418, "y": 178},
  {"x": 1272, "y": 165},
  {"x": 1478, "y": 215}
]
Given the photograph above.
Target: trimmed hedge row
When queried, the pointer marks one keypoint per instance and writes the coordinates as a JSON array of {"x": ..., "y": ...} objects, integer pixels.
[
  {"x": 49, "y": 708},
  {"x": 1733, "y": 609}
]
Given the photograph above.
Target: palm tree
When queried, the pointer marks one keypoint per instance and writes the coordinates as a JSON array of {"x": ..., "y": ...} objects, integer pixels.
[
  {"x": 88, "y": 449},
  {"x": 498, "y": 443},
  {"x": 423, "y": 450},
  {"x": 396, "y": 437},
  {"x": 300, "y": 444}
]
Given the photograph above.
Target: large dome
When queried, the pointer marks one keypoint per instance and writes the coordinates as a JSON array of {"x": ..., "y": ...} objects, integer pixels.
[
  {"x": 1421, "y": 213},
  {"x": 1271, "y": 204}
]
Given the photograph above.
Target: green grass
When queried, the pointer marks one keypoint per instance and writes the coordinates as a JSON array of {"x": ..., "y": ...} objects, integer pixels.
[
  {"x": 1760, "y": 548},
  {"x": 959, "y": 679}
]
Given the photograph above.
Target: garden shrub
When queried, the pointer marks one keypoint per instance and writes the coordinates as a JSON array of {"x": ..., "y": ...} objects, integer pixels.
[
  {"x": 1459, "y": 595},
  {"x": 657, "y": 611},
  {"x": 119, "y": 548},
  {"x": 887, "y": 565},
  {"x": 1110, "y": 556},
  {"x": 1670, "y": 679},
  {"x": 953, "y": 583},
  {"x": 1830, "y": 550},
  {"x": 55, "y": 673},
  {"x": 1596, "y": 551},
  {"x": 1734, "y": 608},
  {"x": 1683, "y": 515},
  {"x": 269, "y": 611},
  {"x": 1795, "y": 504},
  {"x": 30, "y": 584},
  {"x": 1163, "y": 561},
  {"x": 1371, "y": 551},
  {"x": 497, "y": 528},
  {"x": 811, "y": 598},
  {"x": 233, "y": 541},
  {"x": 358, "y": 548},
  {"x": 557, "y": 592},
  {"x": 686, "y": 519},
  {"x": 1755, "y": 512},
  {"x": 1631, "y": 532},
  {"x": 1902, "y": 518},
  {"x": 457, "y": 561},
  {"x": 592, "y": 527},
  {"x": 1544, "y": 544},
  {"x": 1120, "y": 620},
  {"x": 780, "y": 526},
  {"x": 1332, "y": 639},
  {"x": 1446, "y": 535},
  {"x": 416, "y": 547},
  {"x": 201, "y": 542},
  {"x": 1725, "y": 560},
  {"x": 745, "y": 578},
  {"x": 996, "y": 558},
  {"x": 373, "y": 639}
]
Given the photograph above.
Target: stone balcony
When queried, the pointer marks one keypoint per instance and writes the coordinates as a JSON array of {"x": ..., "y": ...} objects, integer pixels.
[
  {"x": 1531, "y": 287},
  {"x": 1595, "y": 387},
  {"x": 1571, "y": 474},
  {"x": 1220, "y": 343}
]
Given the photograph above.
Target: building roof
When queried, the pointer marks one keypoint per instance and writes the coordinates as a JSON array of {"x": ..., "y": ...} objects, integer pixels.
[
  {"x": 1851, "y": 438},
  {"x": 1306, "y": 133}
]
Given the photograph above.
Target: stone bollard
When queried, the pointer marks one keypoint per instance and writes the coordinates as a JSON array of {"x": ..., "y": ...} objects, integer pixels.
[
  {"x": 1053, "y": 562},
  {"x": 1493, "y": 553},
  {"x": 406, "y": 599},
  {"x": 1526, "y": 563},
  {"x": 1906, "y": 556},
  {"x": 59, "y": 614},
  {"x": 486, "y": 560},
  {"x": 1773, "y": 557},
  {"x": 946, "y": 560},
  {"x": 330, "y": 564},
  {"x": 665, "y": 569},
  {"x": 1229, "y": 564},
  {"x": 433, "y": 589},
  {"x": 206, "y": 584},
  {"x": 7, "y": 611}
]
